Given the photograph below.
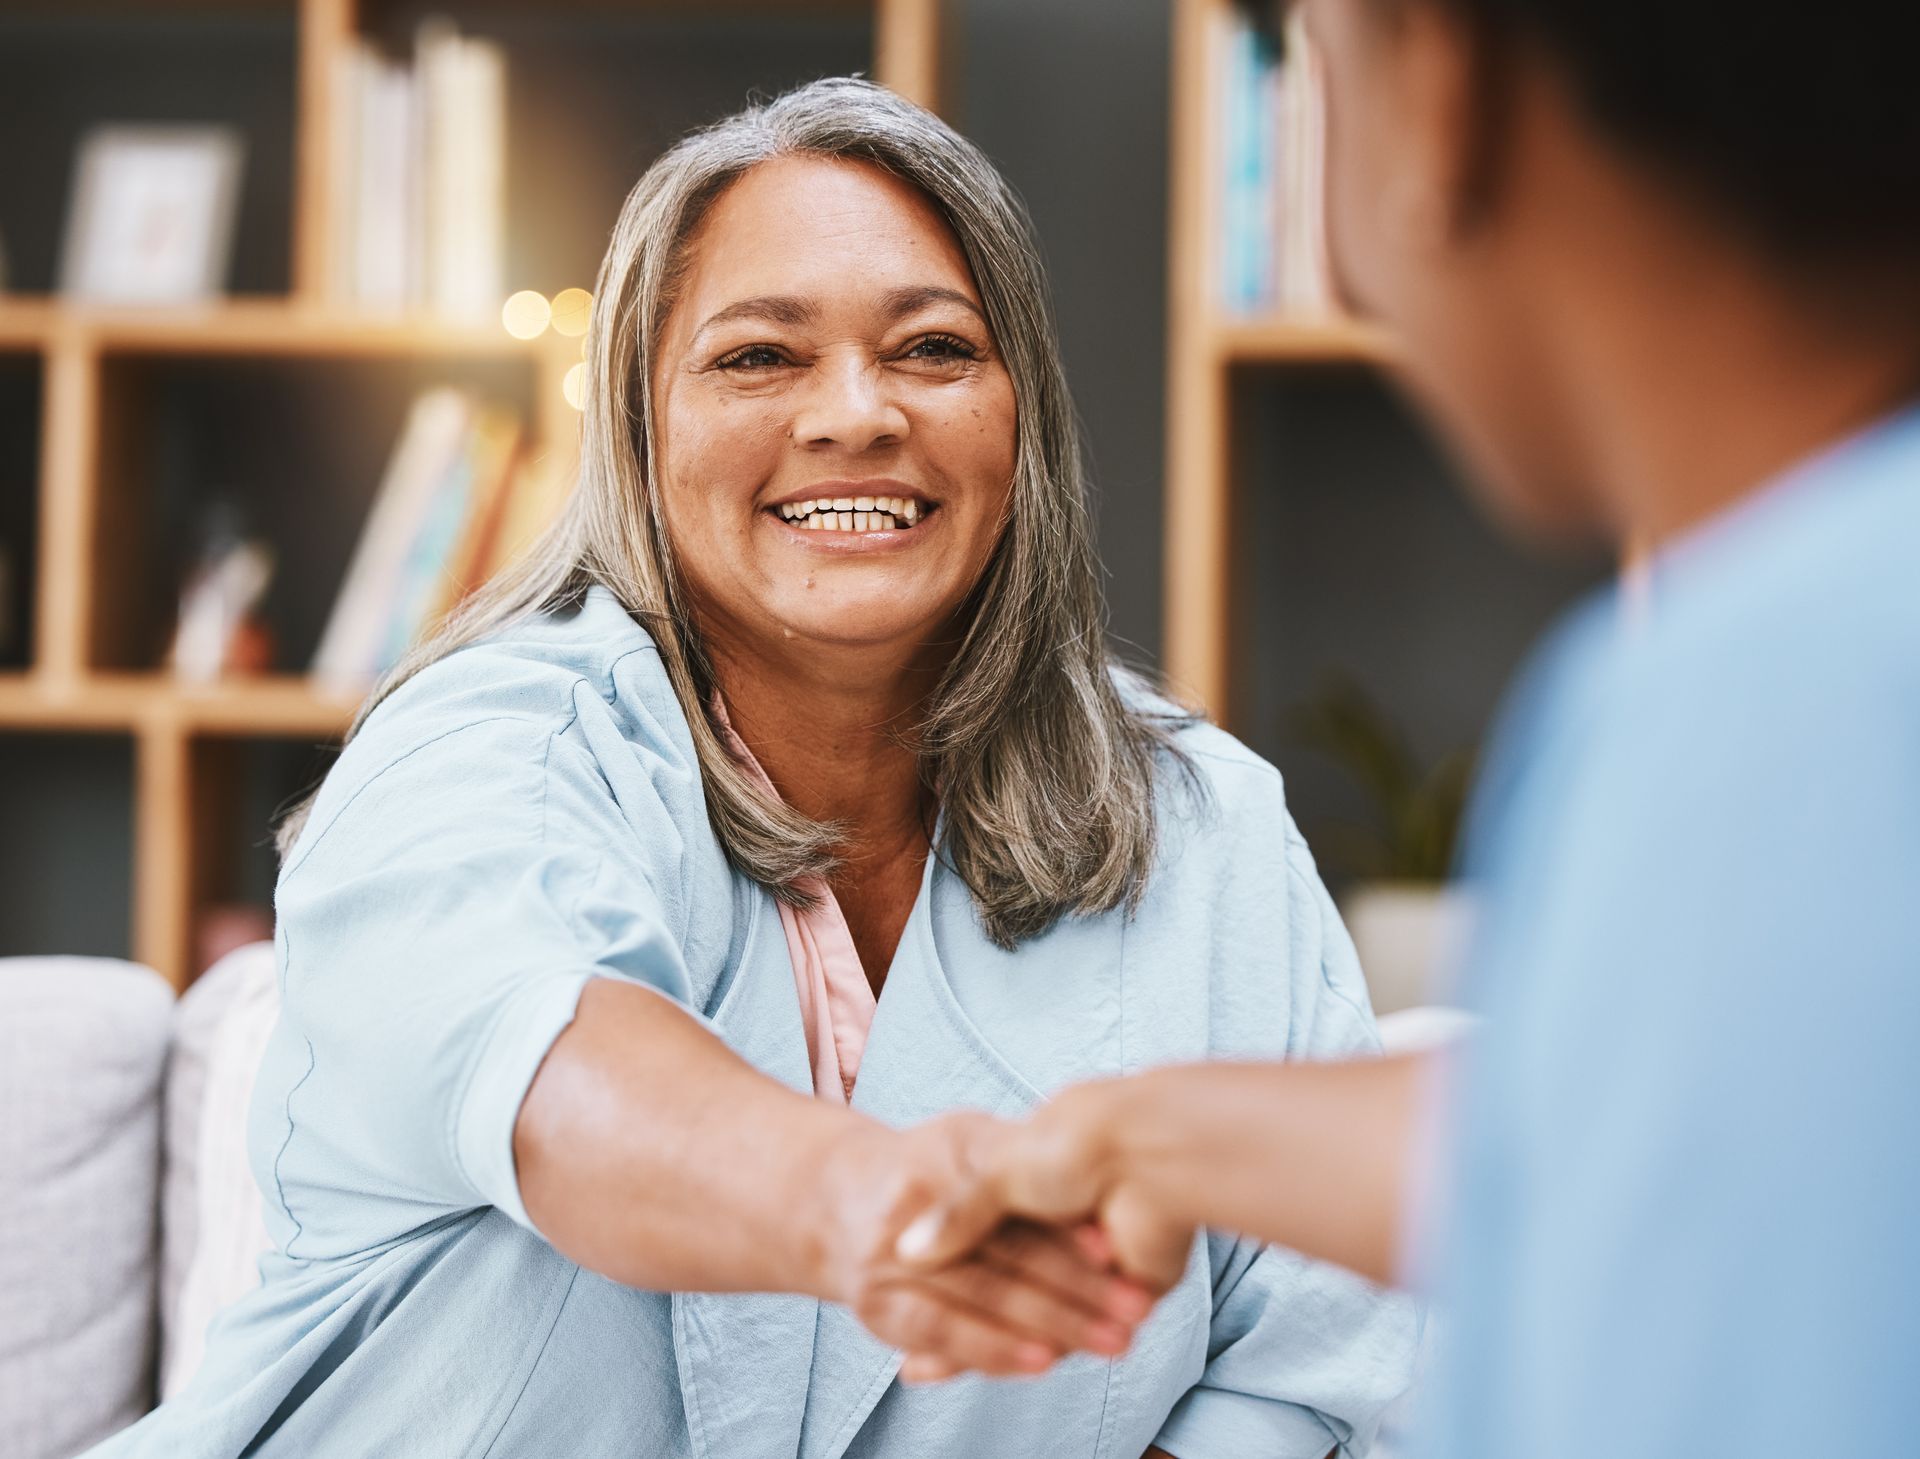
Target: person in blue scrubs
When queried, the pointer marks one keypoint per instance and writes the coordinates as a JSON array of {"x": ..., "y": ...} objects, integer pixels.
[
  {"x": 675, "y": 924},
  {"x": 1654, "y": 267}
]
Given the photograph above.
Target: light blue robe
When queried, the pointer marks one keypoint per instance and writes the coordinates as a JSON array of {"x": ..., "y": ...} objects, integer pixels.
[{"x": 527, "y": 814}]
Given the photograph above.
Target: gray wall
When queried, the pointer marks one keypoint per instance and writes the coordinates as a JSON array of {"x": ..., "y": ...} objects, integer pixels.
[{"x": 1070, "y": 98}]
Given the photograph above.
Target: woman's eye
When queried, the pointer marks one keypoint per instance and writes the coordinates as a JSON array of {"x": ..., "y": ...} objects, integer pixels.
[
  {"x": 941, "y": 347},
  {"x": 753, "y": 357}
]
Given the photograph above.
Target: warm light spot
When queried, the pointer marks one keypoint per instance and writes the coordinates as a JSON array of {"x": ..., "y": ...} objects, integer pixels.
[
  {"x": 526, "y": 314},
  {"x": 571, "y": 310},
  {"x": 574, "y": 387}
]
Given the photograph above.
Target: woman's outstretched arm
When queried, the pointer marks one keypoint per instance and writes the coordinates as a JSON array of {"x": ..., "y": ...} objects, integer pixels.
[{"x": 648, "y": 1151}]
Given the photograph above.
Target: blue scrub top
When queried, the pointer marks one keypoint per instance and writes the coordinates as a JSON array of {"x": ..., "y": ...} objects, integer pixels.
[{"x": 1686, "y": 1183}]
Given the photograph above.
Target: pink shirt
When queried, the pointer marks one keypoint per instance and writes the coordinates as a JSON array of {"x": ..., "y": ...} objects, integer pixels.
[{"x": 836, "y": 1000}]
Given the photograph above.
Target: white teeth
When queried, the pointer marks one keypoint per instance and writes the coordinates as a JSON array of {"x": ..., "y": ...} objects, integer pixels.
[{"x": 853, "y": 514}]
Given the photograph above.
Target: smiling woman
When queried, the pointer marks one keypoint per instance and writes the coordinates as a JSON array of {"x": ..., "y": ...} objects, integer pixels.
[{"x": 675, "y": 925}]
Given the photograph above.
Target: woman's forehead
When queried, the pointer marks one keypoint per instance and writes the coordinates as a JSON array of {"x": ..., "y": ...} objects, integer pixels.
[{"x": 817, "y": 229}]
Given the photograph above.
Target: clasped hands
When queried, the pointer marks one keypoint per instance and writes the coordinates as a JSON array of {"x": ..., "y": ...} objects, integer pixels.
[{"x": 976, "y": 1244}]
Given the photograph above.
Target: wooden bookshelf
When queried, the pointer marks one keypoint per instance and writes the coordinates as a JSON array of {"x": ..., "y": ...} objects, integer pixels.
[
  {"x": 73, "y": 684},
  {"x": 1207, "y": 349}
]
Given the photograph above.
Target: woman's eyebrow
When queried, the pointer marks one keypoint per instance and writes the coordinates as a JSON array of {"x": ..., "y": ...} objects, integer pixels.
[
  {"x": 786, "y": 309},
  {"x": 901, "y": 302},
  {"x": 791, "y": 310}
]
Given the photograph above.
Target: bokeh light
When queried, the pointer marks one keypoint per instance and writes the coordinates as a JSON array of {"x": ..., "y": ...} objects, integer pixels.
[
  {"x": 526, "y": 314},
  {"x": 574, "y": 387},
  {"x": 572, "y": 308}
]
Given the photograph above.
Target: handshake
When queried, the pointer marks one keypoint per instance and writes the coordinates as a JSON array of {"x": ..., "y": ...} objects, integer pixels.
[{"x": 975, "y": 1244}]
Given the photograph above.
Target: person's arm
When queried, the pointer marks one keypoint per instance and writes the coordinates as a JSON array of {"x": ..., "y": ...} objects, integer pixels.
[
  {"x": 649, "y": 1152},
  {"x": 1304, "y": 1155},
  {"x": 1308, "y": 1156}
]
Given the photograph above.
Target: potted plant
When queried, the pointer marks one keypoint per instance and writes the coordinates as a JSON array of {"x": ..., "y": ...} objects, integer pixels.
[{"x": 1407, "y": 923}]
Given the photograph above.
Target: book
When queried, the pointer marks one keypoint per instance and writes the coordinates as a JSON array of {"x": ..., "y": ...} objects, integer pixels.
[
  {"x": 463, "y": 91},
  {"x": 417, "y": 177},
  {"x": 495, "y": 451},
  {"x": 357, "y": 636},
  {"x": 1273, "y": 254}
]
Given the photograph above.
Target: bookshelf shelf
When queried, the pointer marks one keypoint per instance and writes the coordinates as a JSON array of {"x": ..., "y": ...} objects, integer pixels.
[
  {"x": 282, "y": 327},
  {"x": 1329, "y": 341},
  {"x": 269, "y": 707},
  {"x": 26, "y": 324},
  {"x": 94, "y": 375}
]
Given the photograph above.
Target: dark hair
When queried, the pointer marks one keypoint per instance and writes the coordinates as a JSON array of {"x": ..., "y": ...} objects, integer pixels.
[{"x": 1799, "y": 124}]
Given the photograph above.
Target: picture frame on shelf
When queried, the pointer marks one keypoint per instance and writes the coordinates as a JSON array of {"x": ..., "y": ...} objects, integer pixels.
[{"x": 151, "y": 217}]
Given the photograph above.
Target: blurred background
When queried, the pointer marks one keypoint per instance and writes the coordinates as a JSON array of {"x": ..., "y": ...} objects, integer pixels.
[{"x": 291, "y": 294}]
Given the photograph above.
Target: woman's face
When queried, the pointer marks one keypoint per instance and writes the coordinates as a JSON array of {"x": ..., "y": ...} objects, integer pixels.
[{"x": 835, "y": 427}]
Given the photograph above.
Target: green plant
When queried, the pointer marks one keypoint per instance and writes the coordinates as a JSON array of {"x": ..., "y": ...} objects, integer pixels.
[{"x": 1416, "y": 810}]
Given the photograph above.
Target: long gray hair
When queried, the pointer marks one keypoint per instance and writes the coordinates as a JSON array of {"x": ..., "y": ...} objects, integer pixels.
[{"x": 1044, "y": 770}]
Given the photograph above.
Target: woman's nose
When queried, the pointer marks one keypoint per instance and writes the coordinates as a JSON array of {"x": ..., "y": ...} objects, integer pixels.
[{"x": 846, "y": 403}]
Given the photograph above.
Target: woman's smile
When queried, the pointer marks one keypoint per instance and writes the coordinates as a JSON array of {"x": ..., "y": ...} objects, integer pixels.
[{"x": 877, "y": 515}]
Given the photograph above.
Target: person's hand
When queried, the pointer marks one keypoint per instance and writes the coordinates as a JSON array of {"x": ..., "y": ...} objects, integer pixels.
[
  {"x": 1062, "y": 1167},
  {"x": 1015, "y": 1301}
]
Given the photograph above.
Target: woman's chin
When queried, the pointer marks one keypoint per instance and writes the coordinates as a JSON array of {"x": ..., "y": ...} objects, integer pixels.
[{"x": 858, "y": 623}]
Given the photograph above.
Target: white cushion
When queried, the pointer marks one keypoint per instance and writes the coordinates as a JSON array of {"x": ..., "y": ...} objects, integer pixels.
[
  {"x": 1415, "y": 1030},
  {"x": 83, "y": 1045},
  {"x": 216, "y": 1232}
]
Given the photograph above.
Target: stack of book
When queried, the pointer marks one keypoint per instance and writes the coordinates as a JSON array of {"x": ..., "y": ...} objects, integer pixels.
[
  {"x": 418, "y": 177},
  {"x": 1273, "y": 130},
  {"x": 460, "y": 499}
]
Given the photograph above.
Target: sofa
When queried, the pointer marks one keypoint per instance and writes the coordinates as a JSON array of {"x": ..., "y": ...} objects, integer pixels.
[{"x": 128, "y": 1216}]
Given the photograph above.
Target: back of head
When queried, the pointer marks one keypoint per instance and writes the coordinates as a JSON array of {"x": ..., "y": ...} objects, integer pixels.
[{"x": 1799, "y": 124}]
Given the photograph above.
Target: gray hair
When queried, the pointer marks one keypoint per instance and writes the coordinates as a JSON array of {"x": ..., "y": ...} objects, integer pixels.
[{"x": 1042, "y": 761}]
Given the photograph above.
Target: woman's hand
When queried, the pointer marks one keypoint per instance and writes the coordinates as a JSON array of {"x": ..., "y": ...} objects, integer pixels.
[
  {"x": 1062, "y": 1168},
  {"x": 1018, "y": 1299}
]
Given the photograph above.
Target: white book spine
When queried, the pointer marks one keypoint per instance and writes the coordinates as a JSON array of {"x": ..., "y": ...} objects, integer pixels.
[
  {"x": 384, "y": 243},
  {"x": 483, "y": 282},
  {"x": 343, "y": 172},
  {"x": 464, "y": 89}
]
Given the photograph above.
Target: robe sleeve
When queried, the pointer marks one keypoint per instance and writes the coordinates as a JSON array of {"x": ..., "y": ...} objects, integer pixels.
[
  {"x": 1303, "y": 1358},
  {"x": 436, "y": 925}
]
